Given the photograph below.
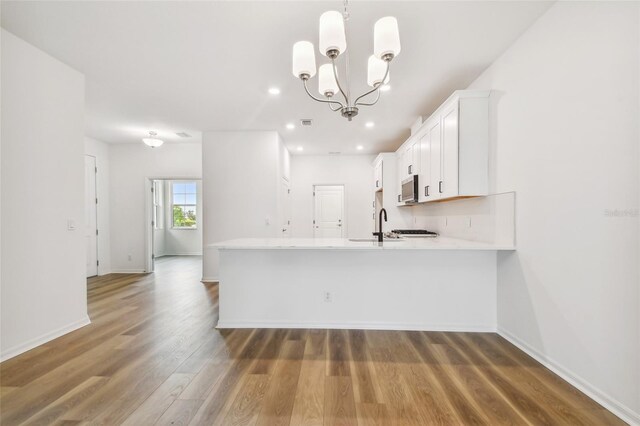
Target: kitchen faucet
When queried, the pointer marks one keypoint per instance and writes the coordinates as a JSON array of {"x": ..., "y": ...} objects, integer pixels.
[{"x": 380, "y": 234}]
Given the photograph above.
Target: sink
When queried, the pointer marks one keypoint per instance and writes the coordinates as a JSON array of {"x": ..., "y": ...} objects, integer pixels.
[{"x": 374, "y": 240}]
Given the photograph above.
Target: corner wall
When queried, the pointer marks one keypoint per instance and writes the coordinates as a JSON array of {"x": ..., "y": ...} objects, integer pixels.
[
  {"x": 242, "y": 174},
  {"x": 180, "y": 242},
  {"x": 43, "y": 261},
  {"x": 355, "y": 172},
  {"x": 566, "y": 140}
]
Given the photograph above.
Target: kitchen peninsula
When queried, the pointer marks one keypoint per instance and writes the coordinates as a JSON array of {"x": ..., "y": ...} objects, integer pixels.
[{"x": 413, "y": 284}]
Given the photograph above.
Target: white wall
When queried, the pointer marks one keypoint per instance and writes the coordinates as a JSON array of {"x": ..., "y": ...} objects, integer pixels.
[
  {"x": 566, "y": 140},
  {"x": 242, "y": 175},
  {"x": 100, "y": 150},
  {"x": 355, "y": 172},
  {"x": 43, "y": 276},
  {"x": 131, "y": 166}
]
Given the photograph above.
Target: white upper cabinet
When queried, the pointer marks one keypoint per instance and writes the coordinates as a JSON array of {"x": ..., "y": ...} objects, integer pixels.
[
  {"x": 450, "y": 152},
  {"x": 377, "y": 175},
  {"x": 429, "y": 137},
  {"x": 449, "y": 166}
]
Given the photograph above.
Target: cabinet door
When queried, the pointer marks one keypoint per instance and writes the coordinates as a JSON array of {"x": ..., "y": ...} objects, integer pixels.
[
  {"x": 401, "y": 173},
  {"x": 449, "y": 163},
  {"x": 435, "y": 163},
  {"x": 377, "y": 176},
  {"x": 414, "y": 155},
  {"x": 424, "y": 180}
]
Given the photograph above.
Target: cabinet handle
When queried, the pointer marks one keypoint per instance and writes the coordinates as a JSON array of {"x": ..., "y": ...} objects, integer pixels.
[
  {"x": 409, "y": 169},
  {"x": 440, "y": 187},
  {"x": 398, "y": 198},
  {"x": 376, "y": 183},
  {"x": 426, "y": 191}
]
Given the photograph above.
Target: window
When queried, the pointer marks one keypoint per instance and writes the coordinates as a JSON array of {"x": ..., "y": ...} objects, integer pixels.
[
  {"x": 158, "y": 195},
  {"x": 184, "y": 204}
]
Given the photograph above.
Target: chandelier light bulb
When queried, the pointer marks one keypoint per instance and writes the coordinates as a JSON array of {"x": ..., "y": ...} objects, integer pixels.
[
  {"x": 327, "y": 84},
  {"x": 333, "y": 40},
  {"x": 304, "y": 59},
  {"x": 386, "y": 38},
  {"x": 375, "y": 71}
]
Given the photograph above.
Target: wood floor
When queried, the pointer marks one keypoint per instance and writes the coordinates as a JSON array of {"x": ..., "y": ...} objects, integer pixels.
[{"x": 153, "y": 356}]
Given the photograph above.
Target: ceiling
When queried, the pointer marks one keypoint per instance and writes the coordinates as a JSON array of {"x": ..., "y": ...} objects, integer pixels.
[{"x": 198, "y": 66}]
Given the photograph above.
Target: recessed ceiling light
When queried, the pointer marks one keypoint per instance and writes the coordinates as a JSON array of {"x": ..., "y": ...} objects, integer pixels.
[
  {"x": 290, "y": 126},
  {"x": 274, "y": 91},
  {"x": 359, "y": 147},
  {"x": 385, "y": 88},
  {"x": 369, "y": 124},
  {"x": 300, "y": 148}
]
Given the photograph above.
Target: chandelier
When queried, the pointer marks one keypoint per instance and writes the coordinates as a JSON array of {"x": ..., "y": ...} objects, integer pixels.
[{"x": 332, "y": 44}]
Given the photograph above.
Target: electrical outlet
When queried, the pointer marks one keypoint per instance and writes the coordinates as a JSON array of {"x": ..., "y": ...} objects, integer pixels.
[{"x": 327, "y": 296}]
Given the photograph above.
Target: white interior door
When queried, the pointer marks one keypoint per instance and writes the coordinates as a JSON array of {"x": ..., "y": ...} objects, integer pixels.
[
  {"x": 285, "y": 208},
  {"x": 329, "y": 211},
  {"x": 90, "y": 215}
]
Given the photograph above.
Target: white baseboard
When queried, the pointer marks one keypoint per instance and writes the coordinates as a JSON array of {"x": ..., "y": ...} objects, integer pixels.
[
  {"x": 358, "y": 326},
  {"x": 41, "y": 340},
  {"x": 210, "y": 280},
  {"x": 620, "y": 410},
  {"x": 128, "y": 271}
]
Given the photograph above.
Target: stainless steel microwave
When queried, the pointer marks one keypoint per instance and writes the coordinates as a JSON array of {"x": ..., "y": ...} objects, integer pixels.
[{"x": 409, "y": 193}]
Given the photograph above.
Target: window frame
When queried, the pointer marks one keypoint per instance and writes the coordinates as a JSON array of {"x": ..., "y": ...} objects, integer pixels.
[
  {"x": 158, "y": 204},
  {"x": 173, "y": 225}
]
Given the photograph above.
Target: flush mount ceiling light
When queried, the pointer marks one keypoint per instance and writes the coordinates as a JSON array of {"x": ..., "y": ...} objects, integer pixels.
[
  {"x": 333, "y": 43},
  {"x": 274, "y": 91},
  {"x": 152, "y": 140}
]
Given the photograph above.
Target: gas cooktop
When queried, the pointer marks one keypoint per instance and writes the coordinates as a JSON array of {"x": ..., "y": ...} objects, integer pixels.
[{"x": 417, "y": 232}]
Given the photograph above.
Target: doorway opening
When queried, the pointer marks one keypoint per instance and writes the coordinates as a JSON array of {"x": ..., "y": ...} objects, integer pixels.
[
  {"x": 174, "y": 211},
  {"x": 328, "y": 219}
]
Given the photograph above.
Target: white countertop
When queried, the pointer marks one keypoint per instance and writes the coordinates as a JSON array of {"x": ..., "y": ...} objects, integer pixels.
[{"x": 437, "y": 243}]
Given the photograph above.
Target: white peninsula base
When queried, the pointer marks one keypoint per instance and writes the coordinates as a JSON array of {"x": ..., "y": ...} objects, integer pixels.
[{"x": 438, "y": 286}]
